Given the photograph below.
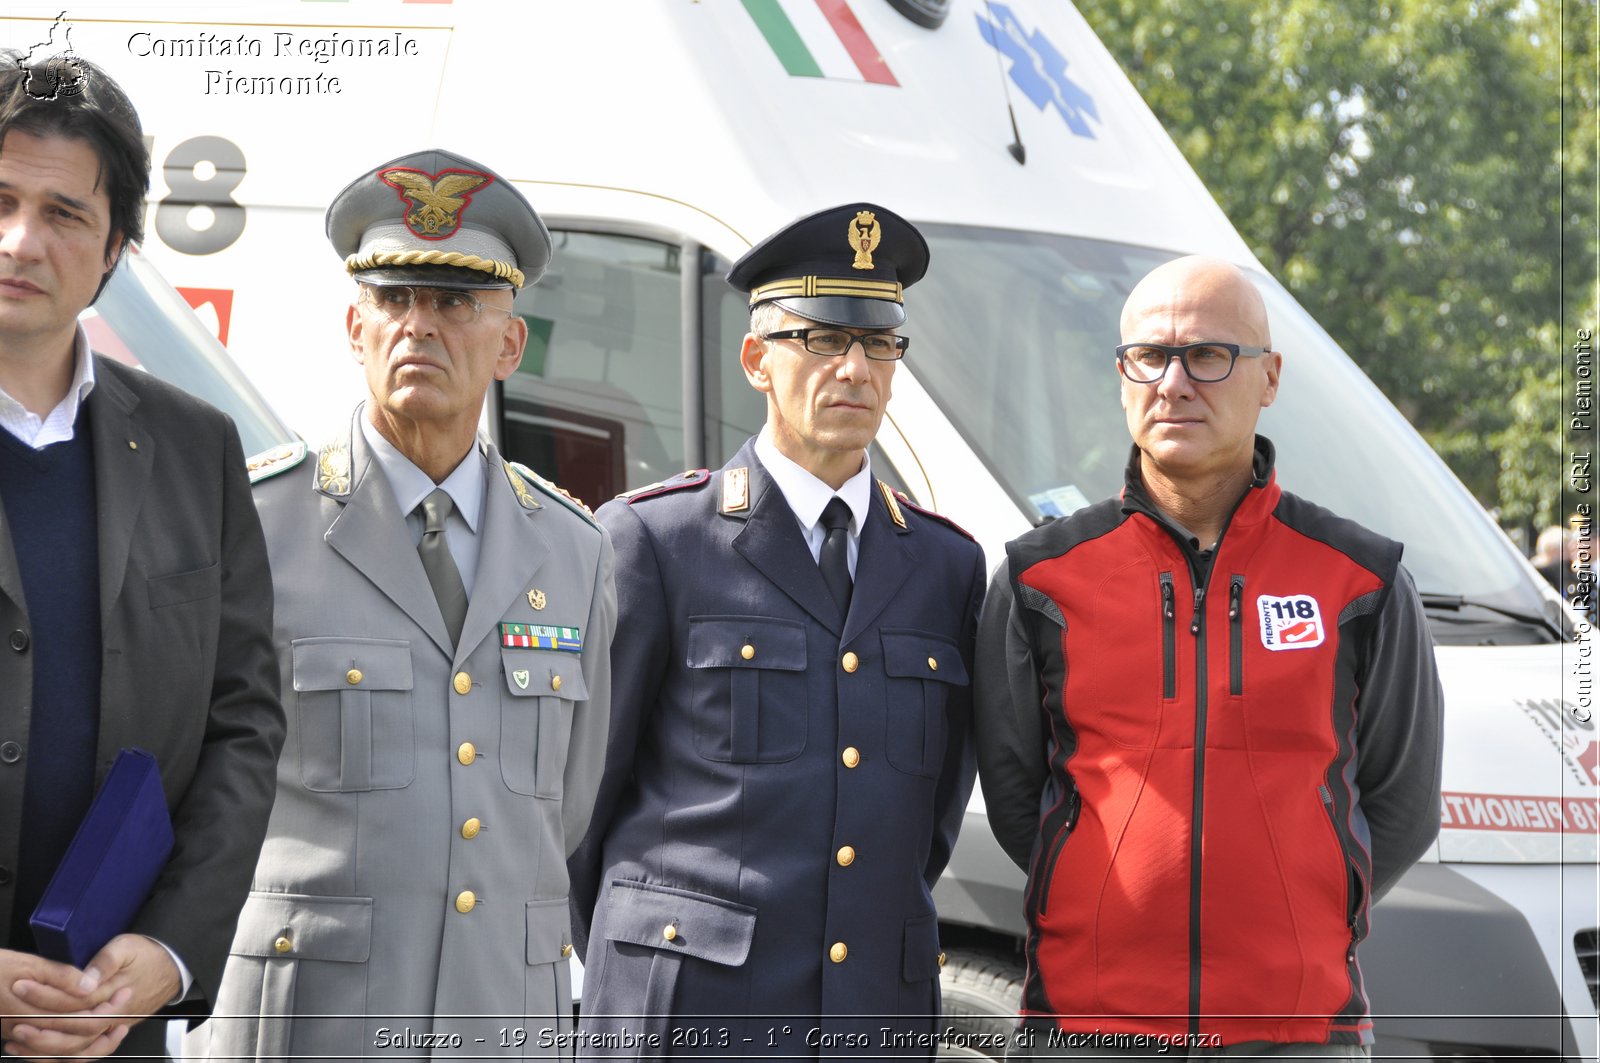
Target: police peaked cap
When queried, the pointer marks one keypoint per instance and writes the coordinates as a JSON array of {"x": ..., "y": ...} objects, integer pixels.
[
  {"x": 437, "y": 219},
  {"x": 847, "y": 265}
]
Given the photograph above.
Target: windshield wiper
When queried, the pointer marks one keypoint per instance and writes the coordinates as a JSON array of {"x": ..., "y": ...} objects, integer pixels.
[{"x": 1457, "y": 602}]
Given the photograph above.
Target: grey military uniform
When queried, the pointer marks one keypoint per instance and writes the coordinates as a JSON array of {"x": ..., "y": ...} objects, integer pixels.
[{"x": 411, "y": 896}]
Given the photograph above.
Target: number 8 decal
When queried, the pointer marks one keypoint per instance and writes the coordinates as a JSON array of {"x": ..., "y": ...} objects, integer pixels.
[{"x": 188, "y": 191}]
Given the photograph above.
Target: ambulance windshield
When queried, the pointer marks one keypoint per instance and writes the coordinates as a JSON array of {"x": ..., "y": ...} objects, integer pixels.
[{"x": 141, "y": 321}]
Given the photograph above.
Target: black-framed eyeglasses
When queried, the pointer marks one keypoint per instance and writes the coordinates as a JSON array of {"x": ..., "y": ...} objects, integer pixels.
[
  {"x": 1206, "y": 362},
  {"x": 833, "y": 342},
  {"x": 451, "y": 306}
]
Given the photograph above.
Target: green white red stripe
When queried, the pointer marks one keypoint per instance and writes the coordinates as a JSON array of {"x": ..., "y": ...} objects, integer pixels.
[{"x": 819, "y": 39}]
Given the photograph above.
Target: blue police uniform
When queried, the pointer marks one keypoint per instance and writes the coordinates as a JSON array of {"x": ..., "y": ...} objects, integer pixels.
[
  {"x": 788, "y": 764},
  {"x": 783, "y": 785}
]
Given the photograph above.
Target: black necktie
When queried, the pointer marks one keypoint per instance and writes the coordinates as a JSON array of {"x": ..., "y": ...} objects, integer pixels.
[
  {"x": 835, "y": 557},
  {"x": 443, "y": 575}
]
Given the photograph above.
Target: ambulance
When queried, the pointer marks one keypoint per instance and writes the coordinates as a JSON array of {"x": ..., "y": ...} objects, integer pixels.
[{"x": 660, "y": 139}]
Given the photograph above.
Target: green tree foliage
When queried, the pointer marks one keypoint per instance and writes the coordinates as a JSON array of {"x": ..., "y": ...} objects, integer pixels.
[{"x": 1399, "y": 166}]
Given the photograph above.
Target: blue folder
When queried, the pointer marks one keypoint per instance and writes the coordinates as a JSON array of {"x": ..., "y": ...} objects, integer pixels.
[{"x": 108, "y": 871}]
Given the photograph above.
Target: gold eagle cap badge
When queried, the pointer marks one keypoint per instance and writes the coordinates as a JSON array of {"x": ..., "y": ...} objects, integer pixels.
[
  {"x": 865, "y": 232},
  {"x": 436, "y": 200}
]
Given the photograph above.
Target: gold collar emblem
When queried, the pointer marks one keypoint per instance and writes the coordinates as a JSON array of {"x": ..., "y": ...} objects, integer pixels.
[
  {"x": 893, "y": 504},
  {"x": 736, "y": 490},
  {"x": 536, "y": 598},
  {"x": 333, "y": 470},
  {"x": 436, "y": 202},
  {"x": 865, "y": 232}
]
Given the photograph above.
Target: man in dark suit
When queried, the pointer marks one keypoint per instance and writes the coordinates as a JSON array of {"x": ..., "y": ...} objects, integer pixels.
[
  {"x": 789, "y": 757},
  {"x": 135, "y": 599}
]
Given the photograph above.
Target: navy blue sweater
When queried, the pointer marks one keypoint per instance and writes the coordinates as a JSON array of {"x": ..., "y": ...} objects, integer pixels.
[{"x": 49, "y": 498}]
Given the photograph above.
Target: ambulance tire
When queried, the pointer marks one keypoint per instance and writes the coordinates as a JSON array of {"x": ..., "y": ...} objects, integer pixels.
[{"x": 981, "y": 992}]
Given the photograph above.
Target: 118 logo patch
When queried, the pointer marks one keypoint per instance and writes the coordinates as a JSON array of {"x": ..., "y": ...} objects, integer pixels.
[{"x": 1292, "y": 622}]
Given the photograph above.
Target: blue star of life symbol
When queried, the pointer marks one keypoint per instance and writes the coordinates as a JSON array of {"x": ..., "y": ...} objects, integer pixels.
[{"x": 1039, "y": 70}]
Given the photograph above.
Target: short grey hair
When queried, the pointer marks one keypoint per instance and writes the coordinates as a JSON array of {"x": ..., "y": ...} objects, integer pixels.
[{"x": 766, "y": 318}]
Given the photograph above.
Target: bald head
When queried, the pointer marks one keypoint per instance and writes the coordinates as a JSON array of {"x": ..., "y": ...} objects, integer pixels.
[{"x": 1194, "y": 289}]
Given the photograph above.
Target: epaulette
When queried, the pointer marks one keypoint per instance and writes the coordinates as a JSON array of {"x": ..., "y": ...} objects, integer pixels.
[
  {"x": 270, "y": 463},
  {"x": 560, "y": 494},
  {"x": 691, "y": 478},
  {"x": 891, "y": 497}
]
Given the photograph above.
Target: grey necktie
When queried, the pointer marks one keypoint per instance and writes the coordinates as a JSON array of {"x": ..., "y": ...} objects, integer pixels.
[
  {"x": 443, "y": 575},
  {"x": 835, "y": 556}
]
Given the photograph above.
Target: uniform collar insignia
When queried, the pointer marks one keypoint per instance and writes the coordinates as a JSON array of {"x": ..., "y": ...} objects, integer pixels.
[
  {"x": 893, "y": 503},
  {"x": 333, "y": 469},
  {"x": 520, "y": 486},
  {"x": 736, "y": 490}
]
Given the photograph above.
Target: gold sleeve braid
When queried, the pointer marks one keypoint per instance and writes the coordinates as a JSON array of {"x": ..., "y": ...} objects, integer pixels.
[{"x": 435, "y": 258}]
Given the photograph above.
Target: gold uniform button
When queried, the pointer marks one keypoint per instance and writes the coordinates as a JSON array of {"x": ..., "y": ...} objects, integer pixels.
[
  {"x": 466, "y": 900},
  {"x": 470, "y": 829},
  {"x": 670, "y": 932},
  {"x": 463, "y": 683},
  {"x": 283, "y": 944},
  {"x": 933, "y": 664},
  {"x": 838, "y": 952},
  {"x": 466, "y": 753},
  {"x": 353, "y": 676},
  {"x": 851, "y": 756},
  {"x": 851, "y": 662},
  {"x": 846, "y": 856},
  {"x": 555, "y": 682},
  {"x": 942, "y": 958},
  {"x": 748, "y": 651},
  {"x": 566, "y": 950}
]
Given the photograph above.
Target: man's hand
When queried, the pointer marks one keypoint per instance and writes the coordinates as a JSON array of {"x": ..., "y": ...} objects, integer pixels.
[
  {"x": 129, "y": 979},
  {"x": 49, "y": 1007}
]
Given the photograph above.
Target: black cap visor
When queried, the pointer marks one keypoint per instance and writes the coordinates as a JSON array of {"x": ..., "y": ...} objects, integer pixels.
[
  {"x": 845, "y": 311},
  {"x": 459, "y": 278}
]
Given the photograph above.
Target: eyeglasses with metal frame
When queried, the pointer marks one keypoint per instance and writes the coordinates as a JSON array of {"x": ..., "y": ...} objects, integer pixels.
[
  {"x": 1206, "y": 362},
  {"x": 450, "y": 305},
  {"x": 833, "y": 342}
]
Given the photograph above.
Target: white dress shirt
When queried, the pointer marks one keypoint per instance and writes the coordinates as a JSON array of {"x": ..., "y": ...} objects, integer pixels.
[
  {"x": 808, "y": 496},
  {"x": 55, "y": 426}
]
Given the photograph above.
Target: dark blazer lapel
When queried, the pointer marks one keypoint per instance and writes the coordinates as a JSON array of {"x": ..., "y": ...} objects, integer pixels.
[
  {"x": 884, "y": 563},
  {"x": 124, "y": 455},
  {"x": 771, "y": 541},
  {"x": 10, "y": 575},
  {"x": 370, "y": 533}
]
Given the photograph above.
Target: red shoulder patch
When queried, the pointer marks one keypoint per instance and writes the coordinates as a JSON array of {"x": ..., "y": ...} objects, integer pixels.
[{"x": 692, "y": 478}]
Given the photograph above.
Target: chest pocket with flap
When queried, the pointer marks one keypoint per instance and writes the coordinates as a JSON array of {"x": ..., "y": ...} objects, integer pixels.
[
  {"x": 748, "y": 693},
  {"x": 357, "y": 730},
  {"x": 542, "y": 690},
  {"x": 922, "y": 669}
]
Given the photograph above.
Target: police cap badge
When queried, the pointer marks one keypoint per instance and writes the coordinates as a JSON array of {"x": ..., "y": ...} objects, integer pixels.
[{"x": 847, "y": 265}]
